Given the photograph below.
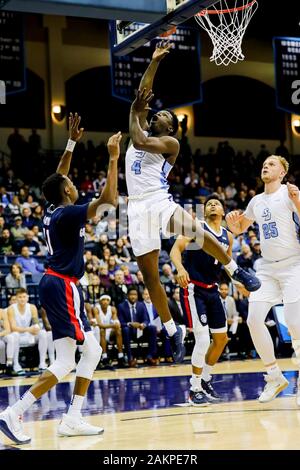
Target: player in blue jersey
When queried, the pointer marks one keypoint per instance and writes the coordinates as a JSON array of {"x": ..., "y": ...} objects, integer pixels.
[
  {"x": 60, "y": 292},
  {"x": 198, "y": 275},
  {"x": 151, "y": 210}
]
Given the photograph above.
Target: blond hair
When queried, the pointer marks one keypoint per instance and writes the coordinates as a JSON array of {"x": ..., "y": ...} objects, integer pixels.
[{"x": 283, "y": 162}]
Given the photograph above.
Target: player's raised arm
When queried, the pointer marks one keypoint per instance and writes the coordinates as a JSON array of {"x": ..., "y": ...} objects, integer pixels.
[
  {"x": 161, "y": 51},
  {"x": 166, "y": 144},
  {"x": 109, "y": 193},
  {"x": 75, "y": 134},
  {"x": 294, "y": 195}
]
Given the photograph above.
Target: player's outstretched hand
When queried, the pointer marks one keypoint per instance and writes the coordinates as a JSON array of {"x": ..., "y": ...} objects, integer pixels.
[
  {"x": 75, "y": 132},
  {"x": 162, "y": 49},
  {"x": 293, "y": 192},
  {"x": 142, "y": 100},
  {"x": 183, "y": 278},
  {"x": 113, "y": 145},
  {"x": 233, "y": 218}
]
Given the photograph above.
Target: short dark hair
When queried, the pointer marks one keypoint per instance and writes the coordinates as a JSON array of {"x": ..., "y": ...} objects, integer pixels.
[
  {"x": 216, "y": 197},
  {"x": 52, "y": 188},
  {"x": 131, "y": 289},
  {"x": 175, "y": 122}
]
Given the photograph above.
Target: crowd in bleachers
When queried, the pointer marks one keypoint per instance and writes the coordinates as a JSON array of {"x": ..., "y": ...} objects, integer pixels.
[{"x": 110, "y": 266}]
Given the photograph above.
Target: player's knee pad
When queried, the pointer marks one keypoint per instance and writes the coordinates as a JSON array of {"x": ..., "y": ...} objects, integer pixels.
[
  {"x": 202, "y": 342},
  {"x": 90, "y": 357},
  {"x": 62, "y": 367}
]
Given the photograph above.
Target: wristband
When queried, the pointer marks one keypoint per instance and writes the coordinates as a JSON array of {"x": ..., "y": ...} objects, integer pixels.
[{"x": 70, "y": 145}]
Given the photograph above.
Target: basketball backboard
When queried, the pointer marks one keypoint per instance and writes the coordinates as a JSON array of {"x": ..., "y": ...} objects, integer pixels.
[{"x": 128, "y": 36}]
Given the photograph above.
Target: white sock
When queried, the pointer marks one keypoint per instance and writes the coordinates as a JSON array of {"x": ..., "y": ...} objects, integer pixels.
[
  {"x": 170, "y": 327},
  {"x": 273, "y": 371},
  {"x": 195, "y": 382},
  {"x": 104, "y": 355},
  {"x": 120, "y": 355},
  {"x": 24, "y": 403},
  {"x": 76, "y": 405},
  {"x": 231, "y": 267},
  {"x": 206, "y": 372}
]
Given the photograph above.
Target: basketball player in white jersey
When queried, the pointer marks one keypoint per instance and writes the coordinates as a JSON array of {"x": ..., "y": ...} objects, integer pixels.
[
  {"x": 110, "y": 328},
  {"x": 149, "y": 159},
  {"x": 8, "y": 340},
  {"x": 276, "y": 211},
  {"x": 23, "y": 319}
]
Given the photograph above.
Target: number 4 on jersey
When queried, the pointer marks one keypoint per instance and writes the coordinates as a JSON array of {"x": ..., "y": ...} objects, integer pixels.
[{"x": 136, "y": 167}]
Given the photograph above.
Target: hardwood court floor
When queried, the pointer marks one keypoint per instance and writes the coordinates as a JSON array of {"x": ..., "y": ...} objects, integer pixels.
[{"x": 146, "y": 409}]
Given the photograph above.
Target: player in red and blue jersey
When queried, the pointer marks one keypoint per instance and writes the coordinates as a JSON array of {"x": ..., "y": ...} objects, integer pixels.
[
  {"x": 198, "y": 276},
  {"x": 60, "y": 292}
]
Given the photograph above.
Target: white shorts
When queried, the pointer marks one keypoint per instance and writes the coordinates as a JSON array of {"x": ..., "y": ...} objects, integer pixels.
[
  {"x": 148, "y": 216},
  {"x": 280, "y": 281}
]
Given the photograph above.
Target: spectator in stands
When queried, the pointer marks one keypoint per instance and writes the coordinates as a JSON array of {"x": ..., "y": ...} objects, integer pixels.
[
  {"x": 245, "y": 259},
  {"x": 7, "y": 243},
  {"x": 95, "y": 290},
  {"x": 102, "y": 245},
  {"x": 155, "y": 320},
  {"x": 234, "y": 320},
  {"x": 100, "y": 226},
  {"x": 104, "y": 276},
  {"x": 8, "y": 341},
  {"x": 18, "y": 230},
  {"x": 112, "y": 229},
  {"x": 4, "y": 197},
  {"x": 129, "y": 278},
  {"x": 37, "y": 215},
  {"x": 30, "y": 265},
  {"x": 167, "y": 277},
  {"x": 118, "y": 288},
  {"x": 35, "y": 142},
  {"x": 30, "y": 202},
  {"x": 87, "y": 184},
  {"x": 37, "y": 236},
  {"x": 16, "y": 277},
  {"x": 99, "y": 182},
  {"x": 10, "y": 182},
  {"x": 177, "y": 187},
  {"x": 256, "y": 251},
  {"x": 282, "y": 150},
  {"x": 135, "y": 325},
  {"x": 32, "y": 245},
  {"x": 23, "y": 319},
  {"x": 140, "y": 285},
  {"x": 2, "y": 225},
  {"x": 28, "y": 220},
  {"x": 14, "y": 206},
  {"x": 110, "y": 328},
  {"x": 89, "y": 235},
  {"x": 121, "y": 251},
  {"x": 176, "y": 309},
  {"x": 112, "y": 266}
]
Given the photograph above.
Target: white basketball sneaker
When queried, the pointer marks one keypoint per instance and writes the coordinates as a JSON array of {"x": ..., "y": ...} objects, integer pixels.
[
  {"x": 273, "y": 387},
  {"x": 73, "y": 426},
  {"x": 11, "y": 425}
]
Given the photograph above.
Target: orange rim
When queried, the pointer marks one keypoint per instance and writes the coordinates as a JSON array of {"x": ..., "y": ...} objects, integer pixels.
[{"x": 221, "y": 12}]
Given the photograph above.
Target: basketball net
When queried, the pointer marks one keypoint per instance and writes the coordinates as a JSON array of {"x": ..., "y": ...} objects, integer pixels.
[{"x": 226, "y": 23}]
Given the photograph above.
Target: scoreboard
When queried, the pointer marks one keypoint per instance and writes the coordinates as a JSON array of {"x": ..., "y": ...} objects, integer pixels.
[
  {"x": 178, "y": 79},
  {"x": 287, "y": 73},
  {"x": 12, "y": 62}
]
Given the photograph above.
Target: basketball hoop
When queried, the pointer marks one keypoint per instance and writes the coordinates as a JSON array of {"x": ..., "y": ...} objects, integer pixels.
[{"x": 226, "y": 24}]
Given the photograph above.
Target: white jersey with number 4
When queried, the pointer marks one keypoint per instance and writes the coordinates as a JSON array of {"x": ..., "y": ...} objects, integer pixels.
[
  {"x": 279, "y": 225},
  {"x": 145, "y": 172}
]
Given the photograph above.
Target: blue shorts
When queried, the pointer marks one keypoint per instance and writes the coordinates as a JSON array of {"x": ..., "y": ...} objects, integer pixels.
[
  {"x": 64, "y": 304},
  {"x": 205, "y": 305}
]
